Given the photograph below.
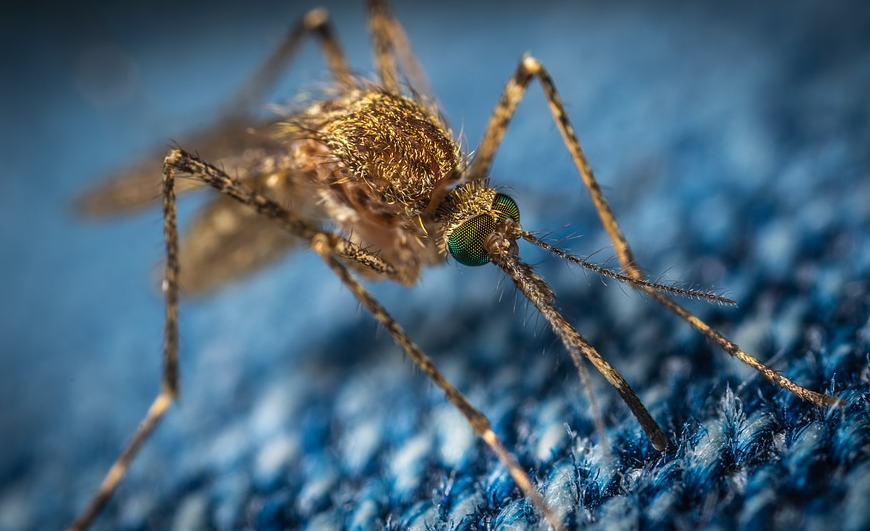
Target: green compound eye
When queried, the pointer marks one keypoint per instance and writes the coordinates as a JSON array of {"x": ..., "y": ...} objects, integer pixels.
[
  {"x": 506, "y": 207},
  {"x": 466, "y": 242}
]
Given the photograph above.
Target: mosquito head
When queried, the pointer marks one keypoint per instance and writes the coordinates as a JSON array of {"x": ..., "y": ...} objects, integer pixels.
[{"x": 469, "y": 216}]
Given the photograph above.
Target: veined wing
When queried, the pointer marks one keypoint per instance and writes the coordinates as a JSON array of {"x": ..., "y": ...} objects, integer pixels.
[
  {"x": 233, "y": 143},
  {"x": 229, "y": 240}
]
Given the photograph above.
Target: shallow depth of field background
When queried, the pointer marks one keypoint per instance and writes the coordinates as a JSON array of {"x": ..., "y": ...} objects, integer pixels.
[{"x": 731, "y": 141}]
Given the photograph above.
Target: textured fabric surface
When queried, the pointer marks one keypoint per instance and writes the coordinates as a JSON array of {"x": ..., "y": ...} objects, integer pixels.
[{"x": 732, "y": 142}]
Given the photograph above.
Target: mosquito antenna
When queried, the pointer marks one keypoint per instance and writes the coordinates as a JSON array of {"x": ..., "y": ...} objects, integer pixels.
[
  {"x": 628, "y": 279},
  {"x": 502, "y": 249}
]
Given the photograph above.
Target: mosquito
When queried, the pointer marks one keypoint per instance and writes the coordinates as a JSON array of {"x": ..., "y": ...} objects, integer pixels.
[{"x": 371, "y": 178}]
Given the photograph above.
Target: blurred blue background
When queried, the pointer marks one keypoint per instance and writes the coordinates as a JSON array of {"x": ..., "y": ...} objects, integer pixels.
[{"x": 731, "y": 140}]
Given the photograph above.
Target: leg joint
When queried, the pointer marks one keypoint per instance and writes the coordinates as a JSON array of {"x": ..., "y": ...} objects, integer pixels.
[
  {"x": 173, "y": 158},
  {"x": 316, "y": 18},
  {"x": 531, "y": 65},
  {"x": 320, "y": 244}
]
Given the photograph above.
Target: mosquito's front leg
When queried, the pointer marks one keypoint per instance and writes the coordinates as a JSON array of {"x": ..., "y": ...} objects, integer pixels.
[
  {"x": 501, "y": 248},
  {"x": 530, "y": 68},
  {"x": 478, "y": 420}
]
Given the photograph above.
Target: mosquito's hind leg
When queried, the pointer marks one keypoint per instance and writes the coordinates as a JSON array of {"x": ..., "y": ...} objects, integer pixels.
[
  {"x": 390, "y": 43},
  {"x": 530, "y": 68},
  {"x": 316, "y": 22},
  {"x": 228, "y": 134},
  {"x": 478, "y": 421}
]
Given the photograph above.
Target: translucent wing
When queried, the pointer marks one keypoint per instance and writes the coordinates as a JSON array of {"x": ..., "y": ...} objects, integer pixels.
[
  {"x": 233, "y": 143},
  {"x": 229, "y": 239}
]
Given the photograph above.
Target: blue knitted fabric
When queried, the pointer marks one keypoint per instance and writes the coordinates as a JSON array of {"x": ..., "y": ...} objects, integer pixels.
[{"x": 732, "y": 143}]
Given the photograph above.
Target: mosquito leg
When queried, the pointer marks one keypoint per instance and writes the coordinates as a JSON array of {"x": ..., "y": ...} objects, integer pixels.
[
  {"x": 169, "y": 385},
  {"x": 391, "y": 43},
  {"x": 329, "y": 246},
  {"x": 385, "y": 62},
  {"x": 119, "y": 467},
  {"x": 501, "y": 248},
  {"x": 314, "y": 22},
  {"x": 478, "y": 421},
  {"x": 513, "y": 93},
  {"x": 138, "y": 185},
  {"x": 181, "y": 162}
]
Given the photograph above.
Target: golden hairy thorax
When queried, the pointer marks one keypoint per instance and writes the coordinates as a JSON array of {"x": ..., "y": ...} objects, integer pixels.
[
  {"x": 381, "y": 164},
  {"x": 393, "y": 145}
]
